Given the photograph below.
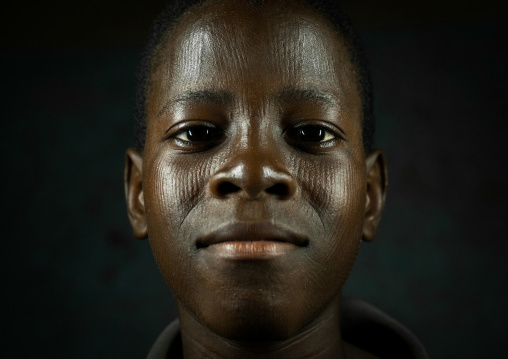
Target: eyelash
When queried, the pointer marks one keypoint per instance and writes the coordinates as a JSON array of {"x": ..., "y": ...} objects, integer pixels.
[
  {"x": 198, "y": 131},
  {"x": 309, "y": 131},
  {"x": 181, "y": 137},
  {"x": 331, "y": 137}
]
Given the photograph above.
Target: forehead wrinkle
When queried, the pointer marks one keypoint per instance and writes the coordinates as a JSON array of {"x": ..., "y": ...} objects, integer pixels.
[
  {"x": 194, "y": 46},
  {"x": 207, "y": 55},
  {"x": 179, "y": 58},
  {"x": 304, "y": 51},
  {"x": 232, "y": 56}
]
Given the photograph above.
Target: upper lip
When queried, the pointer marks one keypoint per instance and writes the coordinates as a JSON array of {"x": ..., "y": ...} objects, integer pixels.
[{"x": 251, "y": 231}]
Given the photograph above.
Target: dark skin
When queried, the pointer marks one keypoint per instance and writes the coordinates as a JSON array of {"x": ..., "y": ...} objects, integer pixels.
[{"x": 253, "y": 187}]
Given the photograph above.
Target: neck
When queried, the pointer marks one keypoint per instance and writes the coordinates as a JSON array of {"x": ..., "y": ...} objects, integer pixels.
[{"x": 319, "y": 339}]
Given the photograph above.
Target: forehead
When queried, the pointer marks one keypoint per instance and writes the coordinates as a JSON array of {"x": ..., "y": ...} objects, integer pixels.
[{"x": 254, "y": 48}]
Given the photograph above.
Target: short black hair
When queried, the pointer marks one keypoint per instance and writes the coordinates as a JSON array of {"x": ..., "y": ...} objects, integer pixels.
[{"x": 328, "y": 8}]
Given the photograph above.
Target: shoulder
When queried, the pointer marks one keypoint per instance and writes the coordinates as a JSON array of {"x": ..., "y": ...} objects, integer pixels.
[
  {"x": 168, "y": 344},
  {"x": 367, "y": 327}
]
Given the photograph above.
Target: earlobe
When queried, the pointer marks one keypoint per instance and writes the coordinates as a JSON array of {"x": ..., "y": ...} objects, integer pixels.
[
  {"x": 133, "y": 181},
  {"x": 377, "y": 184}
]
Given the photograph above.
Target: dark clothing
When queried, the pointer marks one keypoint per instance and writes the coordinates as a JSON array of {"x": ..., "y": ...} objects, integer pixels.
[{"x": 362, "y": 325}]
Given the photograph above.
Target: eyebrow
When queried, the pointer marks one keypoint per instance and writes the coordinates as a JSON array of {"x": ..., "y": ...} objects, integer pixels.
[
  {"x": 290, "y": 94},
  {"x": 219, "y": 97}
]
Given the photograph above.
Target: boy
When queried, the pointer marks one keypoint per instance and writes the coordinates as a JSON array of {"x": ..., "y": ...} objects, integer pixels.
[{"x": 255, "y": 181}]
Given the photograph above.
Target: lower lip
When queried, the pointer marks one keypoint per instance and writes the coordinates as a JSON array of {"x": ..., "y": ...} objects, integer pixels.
[{"x": 251, "y": 249}]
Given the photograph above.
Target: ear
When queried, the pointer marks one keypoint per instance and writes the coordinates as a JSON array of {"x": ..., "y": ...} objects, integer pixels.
[
  {"x": 377, "y": 184},
  {"x": 133, "y": 181}
]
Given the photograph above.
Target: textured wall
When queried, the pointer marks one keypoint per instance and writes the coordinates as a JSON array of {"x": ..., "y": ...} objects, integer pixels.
[{"x": 78, "y": 285}]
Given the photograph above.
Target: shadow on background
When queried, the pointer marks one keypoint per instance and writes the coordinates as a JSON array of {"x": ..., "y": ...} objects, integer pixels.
[{"x": 78, "y": 285}]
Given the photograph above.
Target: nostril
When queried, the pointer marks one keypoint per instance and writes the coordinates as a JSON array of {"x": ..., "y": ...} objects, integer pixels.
[
  {"x": 279, "y": 189},
  {"x": 225, "y": 188}
]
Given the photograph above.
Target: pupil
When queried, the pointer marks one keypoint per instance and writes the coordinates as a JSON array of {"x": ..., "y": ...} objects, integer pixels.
[
  {"x": 312, "y": 134},
  {"x": 198, "y": 134}
]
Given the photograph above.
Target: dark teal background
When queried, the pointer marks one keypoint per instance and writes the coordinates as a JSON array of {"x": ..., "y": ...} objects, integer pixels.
[{"x": 76, "y": 284}]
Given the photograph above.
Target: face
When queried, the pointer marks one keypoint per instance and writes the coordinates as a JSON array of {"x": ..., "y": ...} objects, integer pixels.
[{"x": 253, "y": 187}]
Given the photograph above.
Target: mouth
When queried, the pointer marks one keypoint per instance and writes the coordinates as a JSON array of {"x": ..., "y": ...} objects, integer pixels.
[{"x": 251, "y": 240}]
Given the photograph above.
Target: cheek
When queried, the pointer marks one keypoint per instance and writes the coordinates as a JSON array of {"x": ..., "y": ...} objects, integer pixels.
[
  {"x": 172, "y": 188},
  {"x": 336, "y": 190},
  {"x": 335, "y": 187}
]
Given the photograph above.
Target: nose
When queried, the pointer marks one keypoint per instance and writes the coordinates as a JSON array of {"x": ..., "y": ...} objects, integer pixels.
[{"x": 252, "y": 175}]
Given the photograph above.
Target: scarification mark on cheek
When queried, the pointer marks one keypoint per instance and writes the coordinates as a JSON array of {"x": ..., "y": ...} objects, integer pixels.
[
  {"x": 334, "y": 190},
  {"x": 191, "y": 180},
  {"x": 190, "y": 184}
]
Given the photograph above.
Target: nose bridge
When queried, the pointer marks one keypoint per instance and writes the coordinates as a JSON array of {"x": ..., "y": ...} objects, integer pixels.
[{"x": 257, "y": 157}]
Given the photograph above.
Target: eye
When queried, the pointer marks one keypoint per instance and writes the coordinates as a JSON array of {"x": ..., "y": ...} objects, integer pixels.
[
  {"x": 195, "y": 136},
  {"x": 310, "y": 134},
  {"x": 198, "y": 134}
]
